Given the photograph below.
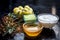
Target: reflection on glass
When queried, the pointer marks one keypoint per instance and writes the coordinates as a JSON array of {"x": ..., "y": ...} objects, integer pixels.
[{"x": 32, "y": 29}]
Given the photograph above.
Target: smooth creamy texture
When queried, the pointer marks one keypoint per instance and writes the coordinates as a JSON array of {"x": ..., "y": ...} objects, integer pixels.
[{"x": 47, "y": 19}]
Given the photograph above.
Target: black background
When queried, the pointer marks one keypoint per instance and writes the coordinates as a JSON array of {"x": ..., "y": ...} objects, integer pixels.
[{"x": 39, "y": 6}]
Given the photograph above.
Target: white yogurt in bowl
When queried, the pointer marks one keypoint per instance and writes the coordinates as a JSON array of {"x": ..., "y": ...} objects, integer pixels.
[{"x": 47, "y": 20}]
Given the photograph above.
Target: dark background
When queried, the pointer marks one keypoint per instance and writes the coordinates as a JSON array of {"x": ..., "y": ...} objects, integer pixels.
[{"x": 39, "y": 6}]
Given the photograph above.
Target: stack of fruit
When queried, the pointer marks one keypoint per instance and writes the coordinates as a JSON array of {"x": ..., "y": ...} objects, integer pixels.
[
  {"x": 26, "y": 12},
  {"x": 23, "y": 11},
  {"x": 12, "y": 21}
]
